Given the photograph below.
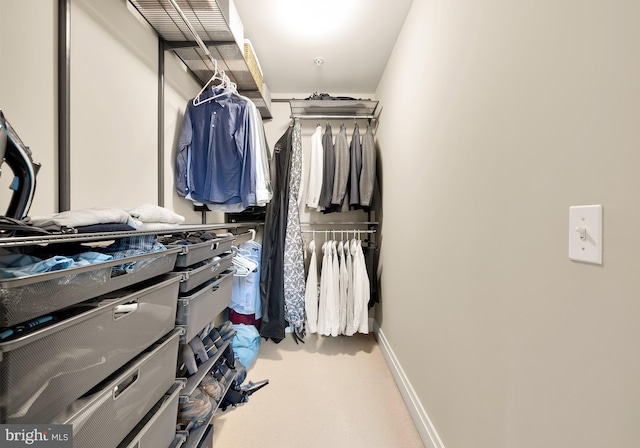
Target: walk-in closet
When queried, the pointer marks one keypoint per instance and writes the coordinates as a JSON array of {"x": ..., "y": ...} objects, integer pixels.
[{"x": 286, "y": 223}]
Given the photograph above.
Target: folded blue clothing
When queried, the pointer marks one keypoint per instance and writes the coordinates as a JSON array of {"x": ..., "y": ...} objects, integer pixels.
[
  {"x": 131, "y": 246},
  {"x": 134, "y": 245},
  {"x": 14, "y": 265},
  {"x": 22, "y": 265},
  {"x": 86, "y": 258}
]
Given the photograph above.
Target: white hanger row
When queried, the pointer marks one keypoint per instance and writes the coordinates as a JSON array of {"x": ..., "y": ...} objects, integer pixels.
[
  {"x": 342, "y": 232},
  {"x": 226, "y": 86},
  {"x": 244, "y": 265}
]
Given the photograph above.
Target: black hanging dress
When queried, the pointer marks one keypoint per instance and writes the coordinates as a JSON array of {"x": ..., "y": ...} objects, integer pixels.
[{"x": 275, "y": 227}]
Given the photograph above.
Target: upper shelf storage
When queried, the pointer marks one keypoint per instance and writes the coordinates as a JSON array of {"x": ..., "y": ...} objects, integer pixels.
[
  {"x": 218, "y": 26},
  {"x": 334, "y": 108}
]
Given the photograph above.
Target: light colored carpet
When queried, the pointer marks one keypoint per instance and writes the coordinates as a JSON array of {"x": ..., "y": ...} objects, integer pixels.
[{"x": 327, "y": 393}]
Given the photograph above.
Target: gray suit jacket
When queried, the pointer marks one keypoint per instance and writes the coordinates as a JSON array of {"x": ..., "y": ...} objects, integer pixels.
[
  {"x": 368, "y": 173},
  {"x": 341, "y": 172},
  {"x": 328, "y": 168}
]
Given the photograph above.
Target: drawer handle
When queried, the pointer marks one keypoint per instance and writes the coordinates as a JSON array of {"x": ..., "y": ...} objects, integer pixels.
[
  {"x": 223, "y": 277},
  {"x": 215, "y": 267},
  {"x": 125, "y": 384},
  {"x": 214, "y": 246},
  {"x": 120, "y": 311}
]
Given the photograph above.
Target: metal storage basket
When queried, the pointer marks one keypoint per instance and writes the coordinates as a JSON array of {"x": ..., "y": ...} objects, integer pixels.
[
  {"x": 25, "y": 298},
  {"x": 43, "y": 372},
  {"x": 157, "y": 429},
  {"x": 103, "y": 418},
  {"x": 191, "y": 254},
  {"x": 192, "y": 278},
  {"x": 198, "y": 309}
]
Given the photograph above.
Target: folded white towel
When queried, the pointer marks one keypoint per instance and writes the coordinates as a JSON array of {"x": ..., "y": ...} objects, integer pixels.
[
  {"x": 152, "y": 226},
  {"x": 155, "y": 214}
]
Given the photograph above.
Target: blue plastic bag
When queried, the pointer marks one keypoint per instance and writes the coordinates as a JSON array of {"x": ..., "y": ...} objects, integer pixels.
[{"x": 246, "y": 344}]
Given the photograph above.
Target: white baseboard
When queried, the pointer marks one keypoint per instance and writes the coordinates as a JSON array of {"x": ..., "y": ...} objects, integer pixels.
[{"x": 423, "y": 423}]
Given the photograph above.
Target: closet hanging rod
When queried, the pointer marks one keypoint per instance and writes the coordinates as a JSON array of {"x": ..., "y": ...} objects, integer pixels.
[
  {"x": 333, "y": 117},
  {"x": 337, "y": 223},
  {"x": 339, "y": 231},
  {"x": 193, "y": 32}
]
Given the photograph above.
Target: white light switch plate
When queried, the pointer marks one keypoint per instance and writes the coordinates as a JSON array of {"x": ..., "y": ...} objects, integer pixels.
[{"x": 585, "y": 233}]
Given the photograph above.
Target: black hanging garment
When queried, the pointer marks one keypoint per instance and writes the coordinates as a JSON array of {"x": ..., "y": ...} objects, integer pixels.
[
  {"x": 328, "y": 169},
  {"x": 272, "y": 266},
  {"x": 355, "y": 168}
]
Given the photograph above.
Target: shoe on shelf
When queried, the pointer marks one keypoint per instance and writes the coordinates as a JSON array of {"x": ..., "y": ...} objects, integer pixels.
[
  {"x": 212, "y": 387},
  {"x": 229, "y": 357},
  {"x": 227, "y": 331},
  {"x": 224, "y": 375},
  {"x": 187, "y": 359},
  {"x": 199, "y": 349},
  {"x": 216, "y": 338},
  {"x": 209, "y": 346},
  {"x": 241, "y": 374},
  {"x": 225, "y": 327},
  {"x": 196, "y": 411}
]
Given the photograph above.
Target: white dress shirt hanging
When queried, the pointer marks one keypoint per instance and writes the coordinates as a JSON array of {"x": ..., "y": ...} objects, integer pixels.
[
  {"x": 334, "y": 317},
  {"x": 364, "y": 291},
  {"x": 316, "y": 160},
  {"x": 311, "y": 291},
  {"x": 343, "y": 287},
  {"x": 351, "y": 327},
  {"x": 325, "y": 280},
  {"x": 353, "y": 310}
]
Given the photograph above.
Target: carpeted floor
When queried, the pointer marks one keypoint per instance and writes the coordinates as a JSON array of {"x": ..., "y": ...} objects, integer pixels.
[{"x": 326, "y": 393}]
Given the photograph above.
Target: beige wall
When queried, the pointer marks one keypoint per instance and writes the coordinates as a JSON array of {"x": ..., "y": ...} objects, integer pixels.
[
  {"x": 504, "y": 114},
  {"x": 114, "y": 107},
  {"x": 27, "y": 91}
]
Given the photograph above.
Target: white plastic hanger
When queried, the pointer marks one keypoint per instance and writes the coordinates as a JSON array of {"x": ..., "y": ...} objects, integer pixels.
[
  {"x": 196, "y": 100},
  {"x": 251, "y": 242},
  {"x": 225, "y": 85},
  {"x": 245, "y": 265}
]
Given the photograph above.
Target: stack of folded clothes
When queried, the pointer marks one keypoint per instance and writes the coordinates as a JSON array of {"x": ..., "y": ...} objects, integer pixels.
[
  {"x": 99, "y": 219},
  {"x": 20, "y": 262},
  {"x": 154, "y": 217}
]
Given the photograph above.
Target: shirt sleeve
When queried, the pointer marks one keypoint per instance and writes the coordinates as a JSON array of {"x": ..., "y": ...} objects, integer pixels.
[
  {"x": 247, "y": 150},
  {"x": 368, "y": 173},
  {"x": 182, "y": 155}
]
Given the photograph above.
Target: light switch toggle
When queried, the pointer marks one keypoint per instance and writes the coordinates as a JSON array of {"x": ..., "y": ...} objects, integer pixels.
[
  {"x": 585, "y": 233},
  {"x": 582, "y": 231}
]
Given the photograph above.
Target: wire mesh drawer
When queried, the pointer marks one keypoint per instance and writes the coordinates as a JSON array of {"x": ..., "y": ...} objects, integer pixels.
[
  {"x": 43, "y": 372},
  {"x": 194, "y": 253},
  {"x": 192, "y": 278},
  {"x": 197, "y": 310},
  {"x": 157, "y": 429},
  {"x": 104, "y": 417},
  {"x": 25, "y": 298}
]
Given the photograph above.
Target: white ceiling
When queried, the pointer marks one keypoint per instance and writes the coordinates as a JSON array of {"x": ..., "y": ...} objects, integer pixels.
[{"x": 354, "y": 37}]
